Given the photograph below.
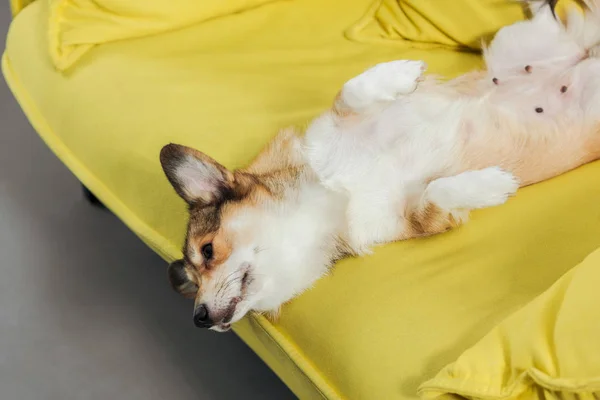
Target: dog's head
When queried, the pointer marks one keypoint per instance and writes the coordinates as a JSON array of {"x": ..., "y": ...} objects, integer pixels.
[{"x": 221, "y": 264}]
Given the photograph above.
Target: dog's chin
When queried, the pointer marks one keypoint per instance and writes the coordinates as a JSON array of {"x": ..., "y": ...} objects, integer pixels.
[
  {"x": 220, "y": 327},
  {"x": 225, "y": 326}
]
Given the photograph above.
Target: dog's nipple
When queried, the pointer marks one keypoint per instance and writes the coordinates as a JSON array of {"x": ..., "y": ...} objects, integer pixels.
[
  {"x": 528, "y": 68},
  {"x": 495, "y": 80},
  {"x": 563, "y": 89},
  {"x": 539, "y": 110}
]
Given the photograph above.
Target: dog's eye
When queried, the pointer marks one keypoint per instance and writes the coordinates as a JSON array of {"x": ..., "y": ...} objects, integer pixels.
[{"x": 207, "y": 251}]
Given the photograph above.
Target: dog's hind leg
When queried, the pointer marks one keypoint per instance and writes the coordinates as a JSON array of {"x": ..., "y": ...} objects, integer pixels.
[
  {"x": 542, "y": 43},
  {"x": 584, "y": 26},
  {"x": 445, "y": 203}
]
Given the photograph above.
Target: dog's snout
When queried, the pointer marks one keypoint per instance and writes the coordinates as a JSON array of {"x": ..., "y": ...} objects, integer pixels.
[{"x": 201, "y": 317}]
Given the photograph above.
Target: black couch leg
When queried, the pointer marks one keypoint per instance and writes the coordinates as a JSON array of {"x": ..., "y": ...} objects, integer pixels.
[{"x": 91, "y": 198}]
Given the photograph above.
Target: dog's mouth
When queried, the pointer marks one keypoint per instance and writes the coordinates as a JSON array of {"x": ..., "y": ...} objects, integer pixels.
[
  {"x": 225, "y": 323},
  {"x": 231, "y": 311}
]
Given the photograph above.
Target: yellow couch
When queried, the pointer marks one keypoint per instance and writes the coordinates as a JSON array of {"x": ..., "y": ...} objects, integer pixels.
[{"x": 480, "y": 312}]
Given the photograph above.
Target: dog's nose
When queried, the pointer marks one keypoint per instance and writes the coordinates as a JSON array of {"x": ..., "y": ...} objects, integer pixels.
[{"x": 201, "y": 317}]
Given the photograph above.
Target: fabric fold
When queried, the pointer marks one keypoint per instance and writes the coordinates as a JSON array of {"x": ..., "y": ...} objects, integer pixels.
[
  {"x": 549, "y": 346},
  {"x": 76, "y": 26}
]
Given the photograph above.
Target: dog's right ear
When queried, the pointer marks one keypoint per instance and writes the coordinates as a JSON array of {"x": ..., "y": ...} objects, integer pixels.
[
  {"x": 196, "y": 177},
  {"x": 180, "y": 282}
]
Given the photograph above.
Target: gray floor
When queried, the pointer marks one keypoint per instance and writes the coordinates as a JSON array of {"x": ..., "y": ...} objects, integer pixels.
[{"x": 75, "y": 322}]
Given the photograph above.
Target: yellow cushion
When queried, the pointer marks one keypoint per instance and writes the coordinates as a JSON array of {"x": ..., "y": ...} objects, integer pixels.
[
  {"x": 457, "y": 23},
  {"x": 17, "y": 5},
  {"x": 378, "y": 326},
  {"x": 77, "y": 25},
  {"x": 550, "y": 346}
]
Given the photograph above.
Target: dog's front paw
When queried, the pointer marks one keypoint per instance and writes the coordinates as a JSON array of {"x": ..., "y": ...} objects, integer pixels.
[{"x": 383, "y": 82}]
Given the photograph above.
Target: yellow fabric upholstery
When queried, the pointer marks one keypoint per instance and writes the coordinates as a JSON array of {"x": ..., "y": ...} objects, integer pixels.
[
  {"x": 378, "y": 326},
  {"x": 17, "y": 5},
  {"x": 77, "y": 25},
  {"x": 461, "y": 23},
  {"x": 550, "y": 346}
]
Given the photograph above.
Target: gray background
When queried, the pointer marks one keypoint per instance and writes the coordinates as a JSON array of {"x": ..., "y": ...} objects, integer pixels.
[{"x": 85, "y": 308}]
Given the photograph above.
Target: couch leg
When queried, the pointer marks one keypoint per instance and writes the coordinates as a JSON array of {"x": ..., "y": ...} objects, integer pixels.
[{"x": 91, "y": 198}]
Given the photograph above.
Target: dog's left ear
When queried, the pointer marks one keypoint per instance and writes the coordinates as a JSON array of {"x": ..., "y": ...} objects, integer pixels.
[{"x": 196, "y": 177}]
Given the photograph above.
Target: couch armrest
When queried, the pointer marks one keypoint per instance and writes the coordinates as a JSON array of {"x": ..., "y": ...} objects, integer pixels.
[{"x": 17, "y": 5}]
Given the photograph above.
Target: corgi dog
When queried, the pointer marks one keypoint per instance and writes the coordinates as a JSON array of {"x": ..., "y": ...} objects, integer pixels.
[{"x": 399, "y": 155}]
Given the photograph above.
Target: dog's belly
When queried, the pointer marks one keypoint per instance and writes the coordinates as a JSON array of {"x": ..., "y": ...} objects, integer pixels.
[{"x": 533, "y": 153}]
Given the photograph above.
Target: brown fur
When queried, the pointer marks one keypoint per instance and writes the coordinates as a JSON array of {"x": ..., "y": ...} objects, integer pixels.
[
  {"x": 534, "y": 157},
  {"x": 340, "y": 108},
  {"x": 428, "y": 219},
  {"x": 279, "y": 154},
  {"x": 279, "y": 166}
]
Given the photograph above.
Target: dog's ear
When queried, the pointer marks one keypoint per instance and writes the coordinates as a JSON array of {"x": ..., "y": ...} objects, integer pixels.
[
  {"x": 180, "y": 281},
  {"x": 196, "y": 177}
]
